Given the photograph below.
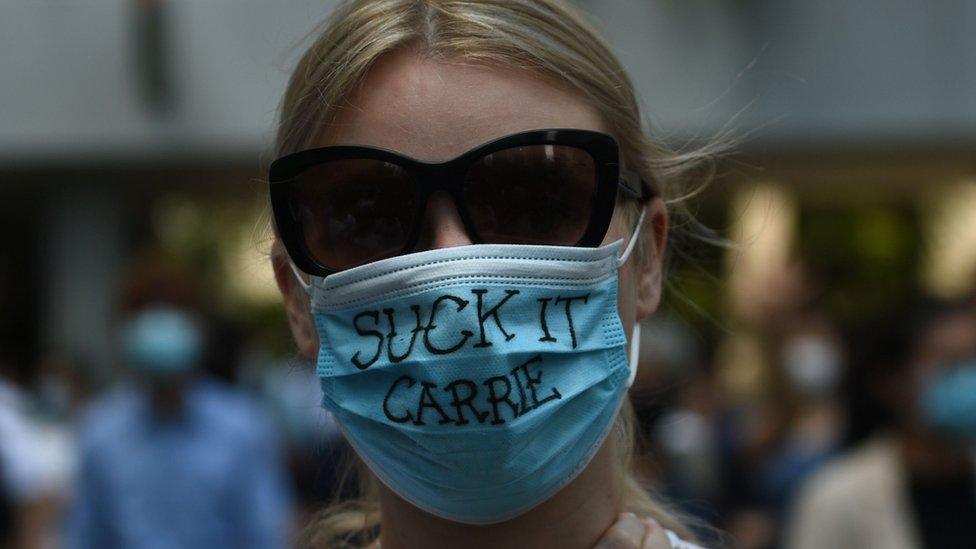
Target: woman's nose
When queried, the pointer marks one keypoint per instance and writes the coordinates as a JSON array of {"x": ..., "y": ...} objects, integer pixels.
[{"x": 442, "y": 226}]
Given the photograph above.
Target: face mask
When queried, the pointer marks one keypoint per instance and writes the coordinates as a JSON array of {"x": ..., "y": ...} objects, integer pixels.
[
  {"x": 162, "y": 342},
  {"x": 949, "y": 401},
  {"x": 475, "y": 381},
  {"x": 813, "y": 365}
]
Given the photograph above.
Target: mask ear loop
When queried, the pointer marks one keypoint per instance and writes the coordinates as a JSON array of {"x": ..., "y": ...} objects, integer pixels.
[
  {"x": 635, "y": 334},
  {"x": 635, "y": 337},
  {"x": 298, "y": 276},
  {"x": 633, "y": 239}
]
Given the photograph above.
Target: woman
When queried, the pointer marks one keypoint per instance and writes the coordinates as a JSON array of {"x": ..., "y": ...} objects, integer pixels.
[{"x": 470, "y": 226}]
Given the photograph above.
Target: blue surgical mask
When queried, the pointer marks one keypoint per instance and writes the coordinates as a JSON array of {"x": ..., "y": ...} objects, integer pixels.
[
  {"x": 162, "y": 342},
  {"x": 475, "y": 381},
  {"x": 949, "y": 401}
]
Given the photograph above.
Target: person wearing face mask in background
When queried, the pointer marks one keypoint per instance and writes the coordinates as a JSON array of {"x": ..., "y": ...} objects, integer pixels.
[
  {"x": 24, "y": 494},
  {"x": 811, "y": 367},
  {"x": 677, "y": 407},
  {"x": 36, "y": 462},
  {"x": 174, "y": 459},
  {"x": 913, "y": 486}
]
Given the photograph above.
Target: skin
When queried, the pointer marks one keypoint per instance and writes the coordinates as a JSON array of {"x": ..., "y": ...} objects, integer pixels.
[{"x": 436, "y": 110}]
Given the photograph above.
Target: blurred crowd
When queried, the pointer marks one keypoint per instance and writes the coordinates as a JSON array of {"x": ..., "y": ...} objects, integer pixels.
[
  {"x": 192, "y": 444},
  {"x": 787, "y": 429}
]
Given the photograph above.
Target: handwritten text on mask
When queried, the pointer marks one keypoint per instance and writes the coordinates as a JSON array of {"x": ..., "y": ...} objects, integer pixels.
[{"x": 494, "y": 399}]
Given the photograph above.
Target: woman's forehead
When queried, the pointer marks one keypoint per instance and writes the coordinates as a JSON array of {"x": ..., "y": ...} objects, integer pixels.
[{"x": 435, "y": 110}]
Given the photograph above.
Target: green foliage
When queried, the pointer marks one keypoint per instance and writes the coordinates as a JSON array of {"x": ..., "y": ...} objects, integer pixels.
[{"x": 863, "y": 259}]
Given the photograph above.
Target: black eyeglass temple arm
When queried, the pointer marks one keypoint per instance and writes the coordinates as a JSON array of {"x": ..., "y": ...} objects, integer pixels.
[{"x": 635, "y": 187}]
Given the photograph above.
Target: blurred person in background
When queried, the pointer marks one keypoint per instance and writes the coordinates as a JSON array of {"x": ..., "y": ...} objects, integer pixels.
[
  {"x": 316, "y": 449},
  {"x": 783, "y": 417},
  {"x": 808, "y": 417},
  {"x": 19, "y": 477},
  {"x": 32, "y": 472},
  {"x": 174, "y": 458},
  {"x": 676, "y": 405},
  {"x": 910, "y": 486}
]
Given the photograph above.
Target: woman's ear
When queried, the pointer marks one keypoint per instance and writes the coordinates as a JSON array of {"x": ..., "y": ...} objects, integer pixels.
[
  {"x": 296, "y": 305},
  {"x": 650, "y": 270}
]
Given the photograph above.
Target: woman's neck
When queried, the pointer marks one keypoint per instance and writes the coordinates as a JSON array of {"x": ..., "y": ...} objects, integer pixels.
[{"x": 575, "y": 517}]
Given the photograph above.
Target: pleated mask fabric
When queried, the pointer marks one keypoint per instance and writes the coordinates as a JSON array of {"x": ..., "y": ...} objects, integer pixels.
[{"x": 475, "y": 381}]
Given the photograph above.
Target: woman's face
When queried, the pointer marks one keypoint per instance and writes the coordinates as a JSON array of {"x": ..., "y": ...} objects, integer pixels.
[{"x": 437, "y": 110}]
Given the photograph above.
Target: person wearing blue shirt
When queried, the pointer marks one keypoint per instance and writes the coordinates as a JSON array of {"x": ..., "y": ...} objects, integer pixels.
[{"x": 175, "y": 460}]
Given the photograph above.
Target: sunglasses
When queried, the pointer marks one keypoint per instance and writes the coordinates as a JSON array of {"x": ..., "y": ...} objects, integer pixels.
[{"x": 342, "y": 206}]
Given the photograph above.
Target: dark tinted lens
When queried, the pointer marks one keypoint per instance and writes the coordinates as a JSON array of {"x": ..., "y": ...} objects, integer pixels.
[
  {"x": 354, "y": 211},
  {"x": 538, "y": 194}
]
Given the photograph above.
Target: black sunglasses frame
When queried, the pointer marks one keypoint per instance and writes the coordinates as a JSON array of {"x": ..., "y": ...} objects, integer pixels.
[{"x": 430, "y": 177}]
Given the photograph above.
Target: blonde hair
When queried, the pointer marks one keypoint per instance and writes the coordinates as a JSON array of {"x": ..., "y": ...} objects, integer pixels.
[{"x": 547, "y": 37}]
